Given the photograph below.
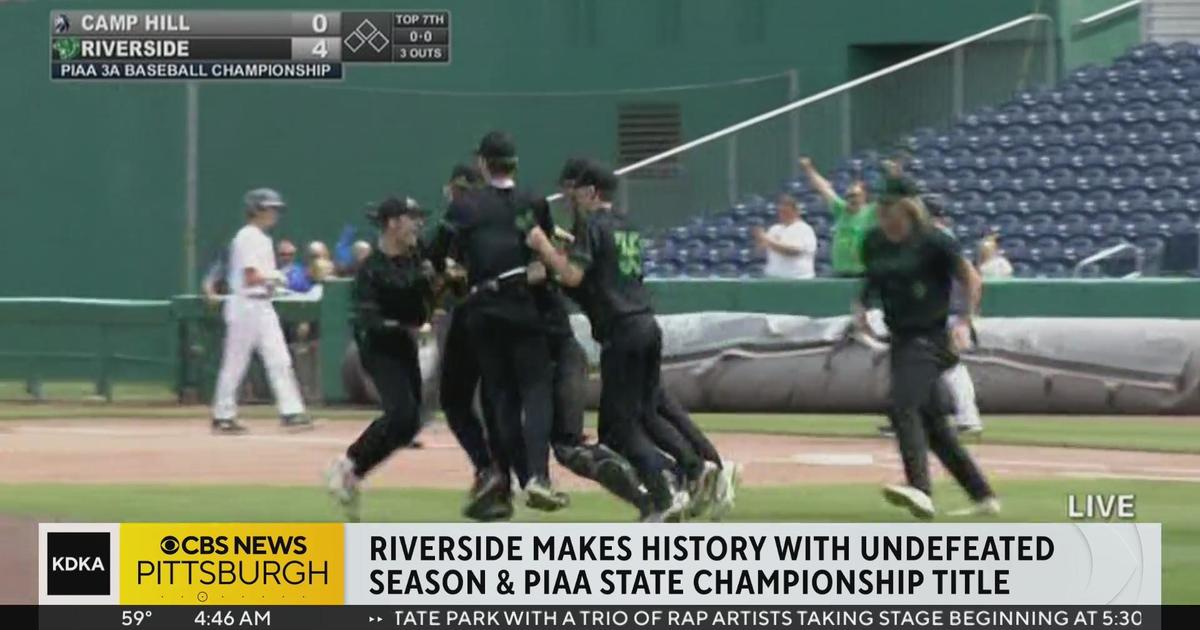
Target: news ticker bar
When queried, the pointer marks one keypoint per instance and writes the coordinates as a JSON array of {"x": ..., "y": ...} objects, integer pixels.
[
  {"x": 97, "y": 37},
  {"x": 796, "y": 617}
]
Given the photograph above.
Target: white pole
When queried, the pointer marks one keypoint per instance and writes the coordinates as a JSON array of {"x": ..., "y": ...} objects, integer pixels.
[
  {"x": 191, "y": 194},
  {"x": 827, "y": 93},
  {"x": 1103, "y": 15},
  {"x": 779, "y": 111}
]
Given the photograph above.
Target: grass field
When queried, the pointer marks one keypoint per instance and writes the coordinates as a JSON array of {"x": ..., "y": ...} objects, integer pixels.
[{"x": 1174, "y": 504}]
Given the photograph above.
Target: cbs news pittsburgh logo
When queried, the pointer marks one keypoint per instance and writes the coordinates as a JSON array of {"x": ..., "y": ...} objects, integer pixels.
[
  {"x": 231, "y": 563},
  {"x": 244, "y": 564}
]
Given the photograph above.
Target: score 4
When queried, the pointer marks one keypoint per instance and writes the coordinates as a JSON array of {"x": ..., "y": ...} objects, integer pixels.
[{"x": 316, "y": 49}]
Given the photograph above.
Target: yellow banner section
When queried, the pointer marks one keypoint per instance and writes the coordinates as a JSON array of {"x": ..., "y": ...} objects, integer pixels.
[{"x": 232, "y": 564}]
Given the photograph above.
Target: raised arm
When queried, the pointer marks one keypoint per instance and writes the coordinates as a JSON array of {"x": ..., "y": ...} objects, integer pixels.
[{"x": 818, "y": 181}]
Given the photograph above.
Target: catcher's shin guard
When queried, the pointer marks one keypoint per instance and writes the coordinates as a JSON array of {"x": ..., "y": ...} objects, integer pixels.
[{"x": 607, "y": 468}]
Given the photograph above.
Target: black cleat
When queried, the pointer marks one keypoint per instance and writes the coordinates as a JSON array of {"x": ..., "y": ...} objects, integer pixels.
[
  {"x": 490, "y": 498},
  {"x": 228, "y": 426}
]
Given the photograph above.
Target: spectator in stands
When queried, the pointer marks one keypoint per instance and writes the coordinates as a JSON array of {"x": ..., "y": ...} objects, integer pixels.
[
  {"x": 215, "y": 282},
  {"x": 790, "y": 244},
  {"x": 343, "y": 254},
  {"x": 285, "y": 261},
  {"x": 992, "y": 263},
  {"x": 359, "y": 252},
  {"x": 853, "y": 217}
]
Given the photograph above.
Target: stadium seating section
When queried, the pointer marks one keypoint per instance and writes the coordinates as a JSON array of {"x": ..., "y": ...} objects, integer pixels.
[{"x": 1110, "y": 155}]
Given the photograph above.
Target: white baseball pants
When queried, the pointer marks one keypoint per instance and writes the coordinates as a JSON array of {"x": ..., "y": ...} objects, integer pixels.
[{"x": 252, "y": 325}]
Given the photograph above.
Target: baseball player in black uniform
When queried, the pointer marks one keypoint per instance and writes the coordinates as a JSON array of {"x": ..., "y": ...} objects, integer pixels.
[
  {"x": 487, "y": 227},
  {"x": 910, "y": 266},
  {"x": 459, "y": 372},
  {"x": 711, "y": 483},
  {"x": 602, "y": 270},
  {"x": 392, "y": 296}
]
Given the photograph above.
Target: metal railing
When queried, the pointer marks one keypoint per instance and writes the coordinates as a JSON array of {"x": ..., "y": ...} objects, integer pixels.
[
  {"x": 1139, "y": 259},
  {"x": 1107, "y": 14}
]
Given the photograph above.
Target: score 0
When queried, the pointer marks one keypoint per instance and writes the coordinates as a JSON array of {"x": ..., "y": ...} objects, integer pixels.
[{"x": 318, "y": 37}]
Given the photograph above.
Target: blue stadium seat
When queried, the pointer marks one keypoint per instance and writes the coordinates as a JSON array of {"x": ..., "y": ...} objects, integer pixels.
[
  {"x": 1053, "y": 269},
  {"x": 665, "y": 270},
  {"x": 1077, "y": 248},
  {"x": 1015, "y": 247},
  {"x": 1036, "y": 225},
  {"x": 1152, "y": 248},
  {"x": 1104, "y": 224},
  {"x": 1178, "y": 223},
  {"x": 1022, "y": 269},
  {"x": 1005, "y": 224},
  {"x": 728, "y": 270},
  {"x": 1110, "y": 154}
]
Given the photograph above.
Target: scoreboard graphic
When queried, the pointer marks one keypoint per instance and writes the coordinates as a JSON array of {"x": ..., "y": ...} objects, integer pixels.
[{"x": 231, "y": 45}]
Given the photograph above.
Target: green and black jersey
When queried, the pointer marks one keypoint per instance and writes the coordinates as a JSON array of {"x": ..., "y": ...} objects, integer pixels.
[
  {"x": 911, "y": 278},
  {"x": 391, "y": 295},
  {"x": 609, "y": 251}
]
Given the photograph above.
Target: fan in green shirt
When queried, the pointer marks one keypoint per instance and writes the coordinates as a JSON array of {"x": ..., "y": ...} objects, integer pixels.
[{"x": 853, "y": 217}]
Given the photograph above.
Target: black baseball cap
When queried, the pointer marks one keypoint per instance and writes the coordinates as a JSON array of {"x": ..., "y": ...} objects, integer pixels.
[
  {"x": 497, "y": 145},
  {"x": 598, "y": 175},
  {"x": 395, "y": 207},
  {"x": 896, "y": 187},
  {"x": 465, "y": 176},
  {"x": 571, "y": 171}
]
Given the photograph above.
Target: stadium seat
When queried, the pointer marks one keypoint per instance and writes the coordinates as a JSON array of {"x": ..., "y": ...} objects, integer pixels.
[{"x": 1111, "y": 154}]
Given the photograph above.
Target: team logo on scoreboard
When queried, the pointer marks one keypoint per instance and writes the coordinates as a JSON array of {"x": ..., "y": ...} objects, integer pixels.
[
  {"x": 67, "y": 48},
  {"x": 78, "y": 563},
  {"x": 62, "y": 23}
]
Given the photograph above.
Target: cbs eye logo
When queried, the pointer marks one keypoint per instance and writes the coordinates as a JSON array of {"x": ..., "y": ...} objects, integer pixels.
[{"x": 169, "y": 545}]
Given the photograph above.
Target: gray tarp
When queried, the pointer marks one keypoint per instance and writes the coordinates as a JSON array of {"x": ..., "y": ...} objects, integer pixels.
[{"x": 780, "y": 363}]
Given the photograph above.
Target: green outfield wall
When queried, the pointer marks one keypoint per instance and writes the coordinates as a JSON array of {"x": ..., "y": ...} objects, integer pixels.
[{"x": 93, "y": 190}]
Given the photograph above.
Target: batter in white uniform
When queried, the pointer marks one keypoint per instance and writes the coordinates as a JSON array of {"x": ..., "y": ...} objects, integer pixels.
[{"x": 251, "y": 323}]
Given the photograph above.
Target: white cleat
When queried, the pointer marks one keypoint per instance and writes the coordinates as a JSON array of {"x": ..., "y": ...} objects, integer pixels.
[
  {"x": 704, "y": 491},
  {"x": 674, "y": 512},
  {"x": 915, "y": 501},
  {"x": 986, "y": 507},
  {"x": 343, "y": 485},
  {"x": 728, "y": 481}
]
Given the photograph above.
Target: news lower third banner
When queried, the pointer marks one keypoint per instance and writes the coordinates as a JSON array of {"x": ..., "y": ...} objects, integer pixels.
[{"x": 597, "y": 565}]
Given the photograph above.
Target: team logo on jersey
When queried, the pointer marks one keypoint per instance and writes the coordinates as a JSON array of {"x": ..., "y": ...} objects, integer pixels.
[{"x": 629, "y": 253}]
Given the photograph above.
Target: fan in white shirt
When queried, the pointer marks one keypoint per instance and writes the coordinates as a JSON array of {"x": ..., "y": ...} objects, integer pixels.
[
  {"x": 992, "y": 263},
  {"x": 791, "y": 244}
]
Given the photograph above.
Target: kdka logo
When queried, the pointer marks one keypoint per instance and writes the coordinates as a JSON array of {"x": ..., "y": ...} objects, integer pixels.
[{"x": 77, "y": 563}]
